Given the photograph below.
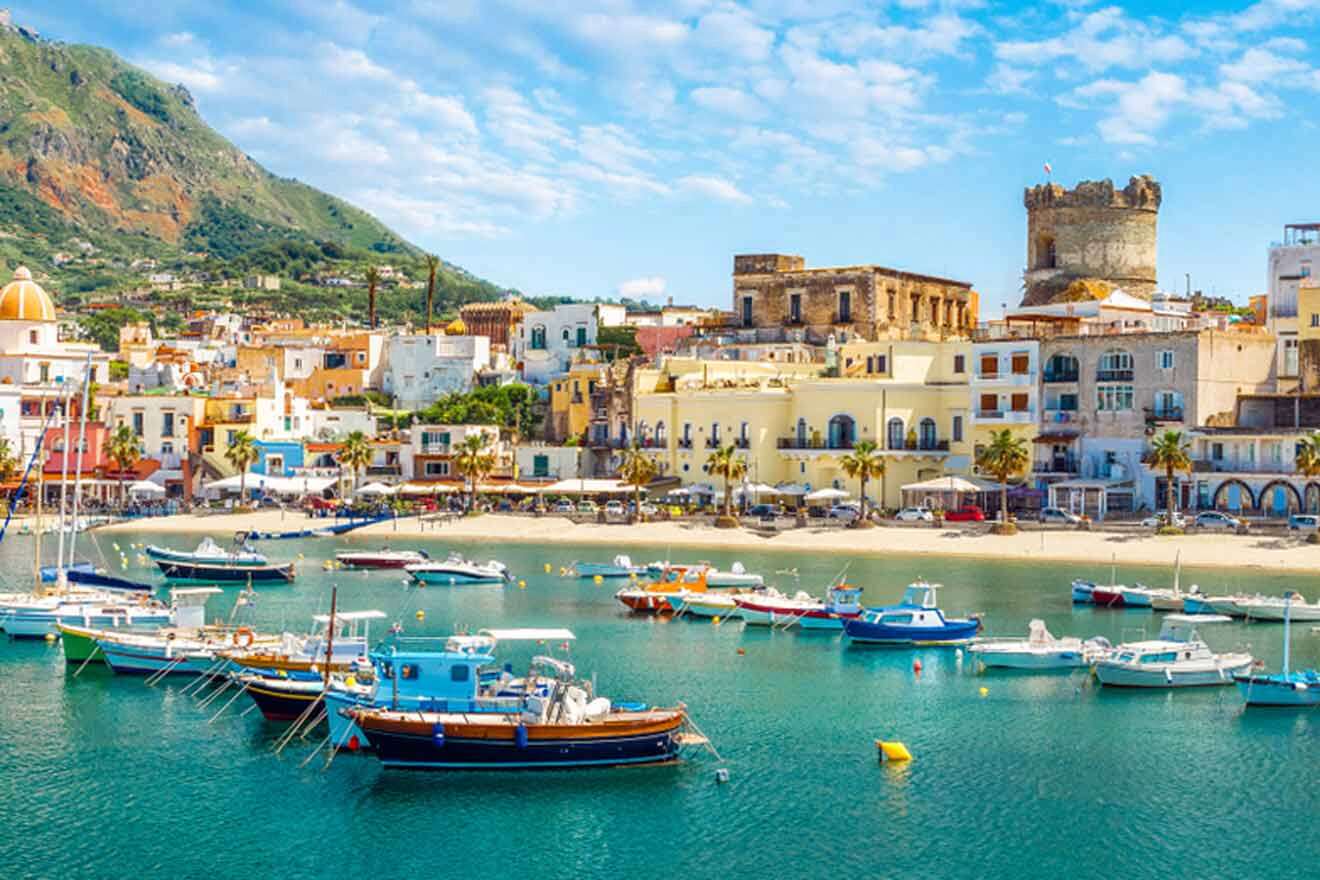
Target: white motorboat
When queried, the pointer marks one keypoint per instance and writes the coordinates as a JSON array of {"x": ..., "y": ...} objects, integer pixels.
[
  {"x": 1277, "y": 607},
  {"x": 1178, "y": 658},
  {"x": 736, "y": 576},
  {"x": 703, "y": 604},
  {"x": 457, "y": 570},
  {"x": 1039, "y": 650},
  {"x": 39, "y": 616}
]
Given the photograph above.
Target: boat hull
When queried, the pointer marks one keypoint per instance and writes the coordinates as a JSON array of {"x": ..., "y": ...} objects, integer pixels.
[
  {"x": 1104, "y": 597},
  {"x": 1124, "y": 675},
  {"x": 1035, "y": 660},
  {"x": 176, "y": 570},
  {"x": 602, "y": 570},
  {"x": 376, "y": 561},
  {"x": 135, "y": 660},
  {"x": 39, "y": 625},
  {"x": 759, "y": 615},
  {"x": 79, "y": 645},
  {"x": 729, "y": 579},
  {"x": 447, "y": 743},
  {"x": 645, "y": 602},
  {"x": 698, "y": 607},
  {"x": 1082, "y": 592},
  {"x": 953, "y": 632},
  {"x": 278, "y": 701},
  {"x": 453, "y": 578},
  {"x": 1279, "y": 690}
]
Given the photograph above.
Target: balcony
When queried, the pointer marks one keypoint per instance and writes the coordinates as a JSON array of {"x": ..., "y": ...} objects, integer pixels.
[
  {"x": 384, "y": 470},
  {"x": 1056, "y": 465},
  {"x": 1164, "y": 414},
  {"x": 435, "y": 449},
  {"x": 742, "y": 443},
  {"x": 812, "y": 443},
  {"x": 998, "y": 378},
  {"x": 684, "y": 442},
  {"x": 713, "y": 443},
  {"x": 1061, "y": 376},
  {"x": 1113, "y": 375},
  {"x": 1241, "y": 466},
  {"x": 1057, "y": 415},
  {"x": 1016, "y": 417}
]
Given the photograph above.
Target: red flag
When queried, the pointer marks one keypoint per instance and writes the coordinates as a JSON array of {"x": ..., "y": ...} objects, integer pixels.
[{"x": 1048, "y": 169}]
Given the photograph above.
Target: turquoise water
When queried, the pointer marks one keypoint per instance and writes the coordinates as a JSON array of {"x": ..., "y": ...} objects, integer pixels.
[{"x": 1044, "y": 776}]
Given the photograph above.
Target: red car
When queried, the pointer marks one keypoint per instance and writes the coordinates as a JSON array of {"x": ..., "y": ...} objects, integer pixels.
[{"x": 966, "y": 513}]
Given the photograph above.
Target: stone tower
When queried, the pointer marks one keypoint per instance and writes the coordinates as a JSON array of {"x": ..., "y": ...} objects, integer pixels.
[{"x": 1092, "y": 231}]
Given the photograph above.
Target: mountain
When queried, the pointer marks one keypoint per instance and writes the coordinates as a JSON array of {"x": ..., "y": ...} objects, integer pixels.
[{"x": 99, "y": 157}]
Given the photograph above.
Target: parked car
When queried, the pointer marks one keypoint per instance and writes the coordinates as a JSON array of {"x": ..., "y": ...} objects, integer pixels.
[
  {"x": 615, "y": 508},
  {"x": 586, "y": 505},
  {"x": 1213, "y": 519},
  {"x": 966, "y": 513},
  {"x": 1158, "y": 519},
  {"x": 914, "y": 514},
  {"x": 762, "y": 511},
  {"x": 564, "y": 506},
  {"x": 1058, "y": 515},
  {"x": 1304, "y": 522},
  {"x": 647, "y": 508},
  {"x": 848, "y": 512}
]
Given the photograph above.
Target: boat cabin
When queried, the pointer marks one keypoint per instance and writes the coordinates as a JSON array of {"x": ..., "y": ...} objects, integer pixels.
[
  {"x": 844, "y": 599},
  {"x": 674, "y": 578},
  {"x": 352, "y": 635},
  {"x": 189, "y": 606},
  {"x": 920, "y": 594}
]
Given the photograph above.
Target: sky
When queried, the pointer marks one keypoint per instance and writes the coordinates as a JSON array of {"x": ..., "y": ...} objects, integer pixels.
[{"x": 622, "y": 147}]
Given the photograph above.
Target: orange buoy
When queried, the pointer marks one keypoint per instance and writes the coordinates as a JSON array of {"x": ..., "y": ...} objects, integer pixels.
[
  {"x": 916, "y": 666},
  {"x": 742, "y": 652}
]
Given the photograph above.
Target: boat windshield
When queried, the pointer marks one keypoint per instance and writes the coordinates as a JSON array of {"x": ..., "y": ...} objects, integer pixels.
[{"x": 1161, "y": 657}]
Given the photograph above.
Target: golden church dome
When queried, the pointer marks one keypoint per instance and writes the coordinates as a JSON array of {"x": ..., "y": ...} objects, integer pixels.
[{"x": 23, "y": 299}]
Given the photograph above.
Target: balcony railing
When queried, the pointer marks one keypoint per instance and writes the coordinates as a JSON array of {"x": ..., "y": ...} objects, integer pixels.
[
  {"x": 1164, "y": 414},
  {"x": 713, "y": 443},
  {"x": 384, "y": 470},
  {"x": 684, "y": 442},
  {"x": 436, "y": 448},
  {"x": 742, "y": 443},
  {"x": 1232, "y": 466},
  {"x": 1113, "y": 375},
  {"x": 1055, "y": 466},
  {"x": 1061, "y": 376},
  {"x": 813, "y": 443},
  {"x": 1000, "y": 415}
]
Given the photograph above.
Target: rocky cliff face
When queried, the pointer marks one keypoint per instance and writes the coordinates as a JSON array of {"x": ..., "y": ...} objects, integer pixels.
[{"x": 112, "y": 150}]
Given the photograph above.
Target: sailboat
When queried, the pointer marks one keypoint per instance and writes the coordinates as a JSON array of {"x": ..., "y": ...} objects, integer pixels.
[{"x": 1286, "y": 688}]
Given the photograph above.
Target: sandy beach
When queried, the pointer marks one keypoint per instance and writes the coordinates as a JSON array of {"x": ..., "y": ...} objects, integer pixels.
[{"x": 1264, "y": 551}]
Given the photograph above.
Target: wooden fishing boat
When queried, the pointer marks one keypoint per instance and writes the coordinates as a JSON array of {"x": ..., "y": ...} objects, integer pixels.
[{"x": 653, "y": 598}]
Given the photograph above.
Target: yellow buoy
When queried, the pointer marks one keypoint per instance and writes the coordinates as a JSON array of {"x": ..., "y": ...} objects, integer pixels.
[
  {"x": 547, "y": 568},
  {"x": 522, "y": 585},
  {"x": 421, "y": 615},
  {"x": 598, "y": 580},
  {"x": 893, "y": 750},
  {"x": 562, "y": 571},
  {"x": 985, "y": 691},
  {"x": 350, "y": 681},
  {"x": 715, "y": 620},
  {"x": 50, "y": 637}
]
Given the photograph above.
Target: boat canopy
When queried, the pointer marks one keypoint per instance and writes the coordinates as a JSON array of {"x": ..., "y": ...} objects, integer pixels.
[
  {"x": 529, "y": 634},
  {"x": 350, "y": 616},
  {"x": 194, "y": 591}
]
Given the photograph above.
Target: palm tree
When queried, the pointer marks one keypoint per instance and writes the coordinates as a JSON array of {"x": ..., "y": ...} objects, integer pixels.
[
  {"x": 726, "y": 462},
  {"x": 1004, "y": 456},
  {"x": 864, "y": 463},
  {"x": 242, "y": 454},
  {"x": 1308, "y": 455},
  {"x": 432, "y": 263},
  {"x": 355, "y": 454},
  {"x": 373, "y": 278},
  {"x": 125, "y": 449},
  {"x": 637, "y": 469},
  {"x": 1169, "y": 451},
  {"x": 473, "y": 461},
  {"x": 8, "y": 461}
]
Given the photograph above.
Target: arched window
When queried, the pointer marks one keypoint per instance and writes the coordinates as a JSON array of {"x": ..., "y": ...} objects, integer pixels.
[
  {"x": 661, "y": 435},
  {"x": 538, "y": 337},
  {"x": 1115, "y": 366},
  {"x": 801, "y": 433},
  {"x": 895, "y": 433},
  {"x": 1061, "y": 368},
  {"x": 843, "y": 432},
  {"x": 927, "y": 434}
]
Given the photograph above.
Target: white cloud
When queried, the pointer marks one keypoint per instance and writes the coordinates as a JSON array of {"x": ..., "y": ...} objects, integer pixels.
[
  {"x": 641, "y": 288},
  {"x": 178, "y": 40},
  {"x": 728, "y": 101},
  {"x": 203, "y": 76},
  {"x": 1102, "y": 39},
  {"x": 1262, "y": 65},
  {"x": 348, "y": 63},
  {"x": 511, "y": 119},
  {"x": 715, "y": 187},
  {"x": 731, "y": 30}
]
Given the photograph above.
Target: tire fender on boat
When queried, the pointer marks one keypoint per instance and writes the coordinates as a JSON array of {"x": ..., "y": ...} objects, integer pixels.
[{"x": 520, "y": 736}]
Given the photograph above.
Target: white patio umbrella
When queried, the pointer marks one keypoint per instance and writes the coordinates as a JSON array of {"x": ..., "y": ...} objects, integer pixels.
[
  {"x": 146, "y": 487},
  {"x": 375, "y": 489},
  {"x": 827, "y": 494},
  {"x": 792, "y": 489}
]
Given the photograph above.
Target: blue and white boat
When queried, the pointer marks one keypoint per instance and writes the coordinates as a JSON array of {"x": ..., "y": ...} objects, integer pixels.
[
  {"x": 40, "y": 616},
  {"x": 211, "y": 563},
  {"x": 453, "y": 674},
  {"x": 620, "y": 567},
  {"x": 456, "y": 570},
  {"x": 1287, "y": 687},
  {"x": 916, "y": 620}
]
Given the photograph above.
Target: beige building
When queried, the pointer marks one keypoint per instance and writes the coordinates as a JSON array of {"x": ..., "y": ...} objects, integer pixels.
[
  {"x": 778, "y": 294},
  {"x": 795, "y": 427}
]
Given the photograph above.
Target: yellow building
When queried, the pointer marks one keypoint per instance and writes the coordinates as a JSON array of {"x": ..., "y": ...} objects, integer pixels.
[{"x": 910, "y": 398}]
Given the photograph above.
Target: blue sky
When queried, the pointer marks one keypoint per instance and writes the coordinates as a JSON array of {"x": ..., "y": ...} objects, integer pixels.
[{"x": 619, "y": 146}]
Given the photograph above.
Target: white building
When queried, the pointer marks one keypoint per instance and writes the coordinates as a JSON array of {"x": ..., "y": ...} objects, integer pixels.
[
  {"x": 161, "y": 422},
  {"x": 1291, "y": 264},
  {"x": 1005, "y": 382},
  {"x": 325, "y": 423},
  {"x": 547, "y": 340},
  {"x": 298, "y": 361},
  {"x": 422, "y": 368},
  {"x": 542, "y": 461}
]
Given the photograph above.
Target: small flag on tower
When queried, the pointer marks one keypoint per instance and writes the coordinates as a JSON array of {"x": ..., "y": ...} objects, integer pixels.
[{"x": 1048, "y": 169}]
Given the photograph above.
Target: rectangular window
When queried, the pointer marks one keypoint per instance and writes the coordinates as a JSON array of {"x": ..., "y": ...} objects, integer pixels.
[
  {"x": 1166, "y": 360},
  {"x": 747, "y": 311},
  {"x": 959, "y": 364},
  {"x": 989, "y": 366},
  {"x": 1114, "y": 398},
  {"x": 882, "y": 363},
  {"x": 795, "y": 308},
  {"x": 845, "y": 306},
  {"x": 1216, "y": 452},
  {"x": 581, "y": 336},
  {"x": 1019, "y": 403},
  {"x": 541, "y": 466},
  {"x": 989, "y": 403},
  {"x": 138, "y": 420},
  {"x": 1315, "y": 320},
  {"x": 436, "y": 469},
  {"x": 957, "y": 429},
  {"x": 1021, "y": 364},
  {"x": 893, "y": 303},
  {"x": 1068, "y": 402},
  {"x": 1290, "y": 357},
  {"x": 167, "y": 424}
]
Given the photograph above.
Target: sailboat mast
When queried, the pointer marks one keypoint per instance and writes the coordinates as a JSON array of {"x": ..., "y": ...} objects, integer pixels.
[
  {"x": 330, "y": 633},
  {"x": 1287, "y": 630},
  {"x": 64, "y": 488},
  {"x": 1177, "y": 573},
  {"x": 36, "y": 550},
  {"x": 82, "y": 439}
]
